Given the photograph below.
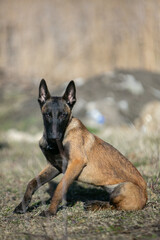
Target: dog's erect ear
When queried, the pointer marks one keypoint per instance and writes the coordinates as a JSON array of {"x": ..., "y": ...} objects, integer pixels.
[
  {"x": 43, "y": 92},
  {"x": 70, "y": 94}
]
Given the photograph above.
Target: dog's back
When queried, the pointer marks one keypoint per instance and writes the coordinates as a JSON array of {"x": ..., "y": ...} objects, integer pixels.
[{"x": 104, "y": 165}]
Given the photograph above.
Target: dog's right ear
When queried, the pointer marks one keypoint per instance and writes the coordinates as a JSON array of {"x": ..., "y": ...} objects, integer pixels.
[{"x": 44, "y": 94}]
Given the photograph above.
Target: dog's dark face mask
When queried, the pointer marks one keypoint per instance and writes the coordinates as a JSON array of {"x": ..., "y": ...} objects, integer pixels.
[{"x": 56, "y": 111}]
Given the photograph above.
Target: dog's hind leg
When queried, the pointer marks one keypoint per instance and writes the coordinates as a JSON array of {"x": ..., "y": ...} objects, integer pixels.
[
  {"x": 43, "y": 177},
  {"x": 96, "y": 205},
  {"x": 123, "y": 196},
  {"x": 128, "y": 196}
]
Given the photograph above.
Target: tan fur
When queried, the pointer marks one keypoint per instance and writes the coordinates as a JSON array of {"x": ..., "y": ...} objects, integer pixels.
[
  {"x": 104, "y": 165},
  {"x": 91, "y": 160}
]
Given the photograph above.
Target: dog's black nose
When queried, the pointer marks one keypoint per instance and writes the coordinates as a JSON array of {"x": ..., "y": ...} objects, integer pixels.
[{"x": 53, "y": 140}]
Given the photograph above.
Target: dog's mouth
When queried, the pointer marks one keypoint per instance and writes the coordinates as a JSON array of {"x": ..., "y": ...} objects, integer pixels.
[
  {"x": 52, "y": 144},
  {"x": 50, "y": 147}
]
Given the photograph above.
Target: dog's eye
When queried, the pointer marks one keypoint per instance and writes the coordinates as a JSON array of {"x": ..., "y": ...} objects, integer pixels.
[
  {"x": 63, "y": 115},
  {"x": 48, "y": 115}
]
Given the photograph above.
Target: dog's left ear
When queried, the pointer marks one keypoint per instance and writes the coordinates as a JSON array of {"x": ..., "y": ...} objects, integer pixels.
[{"x": 70, "y": 94}]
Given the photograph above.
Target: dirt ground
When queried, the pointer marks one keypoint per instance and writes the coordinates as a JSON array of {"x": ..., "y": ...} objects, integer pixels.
[{"x": 20, "y": 162}]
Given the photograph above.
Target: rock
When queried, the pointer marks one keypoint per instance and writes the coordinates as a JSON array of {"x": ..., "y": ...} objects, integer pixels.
[
  {"x": 131, "y": 84},
  {"x": 118, "y": 96},
  {"x": 149, "y": 120}
]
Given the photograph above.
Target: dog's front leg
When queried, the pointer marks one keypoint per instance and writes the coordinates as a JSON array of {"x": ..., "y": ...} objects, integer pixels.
[
  {"x": 73, "y": 170},
  {"x": 44, "y": 176}
]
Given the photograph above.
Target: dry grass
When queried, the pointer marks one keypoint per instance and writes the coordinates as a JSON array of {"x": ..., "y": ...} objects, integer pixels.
[{"x": 20, "y": 162}]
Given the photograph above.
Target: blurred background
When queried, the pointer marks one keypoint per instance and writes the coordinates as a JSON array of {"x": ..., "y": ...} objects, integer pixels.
[{"x": 110, "y": 48}]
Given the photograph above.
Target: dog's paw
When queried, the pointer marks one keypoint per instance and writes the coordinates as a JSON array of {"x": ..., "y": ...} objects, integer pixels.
[
  {"x": 88, "y": 206},
  {"x": 20, "y": 209},
  {"x": 46, "y": 214},
  {"x": 96, "y": 205}
]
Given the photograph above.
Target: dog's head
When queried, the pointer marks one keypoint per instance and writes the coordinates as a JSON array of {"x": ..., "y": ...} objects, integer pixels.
[{"x": 56, "y": 111}]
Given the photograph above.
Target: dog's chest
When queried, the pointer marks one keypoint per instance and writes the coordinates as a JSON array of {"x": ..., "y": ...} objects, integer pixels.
[
  {"x": 58, "y": 162},
  {"x": 53, "y": 155}
]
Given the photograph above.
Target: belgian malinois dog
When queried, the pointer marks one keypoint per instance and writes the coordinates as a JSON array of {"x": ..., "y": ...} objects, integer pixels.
[{"x": 70, "y": 148}]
